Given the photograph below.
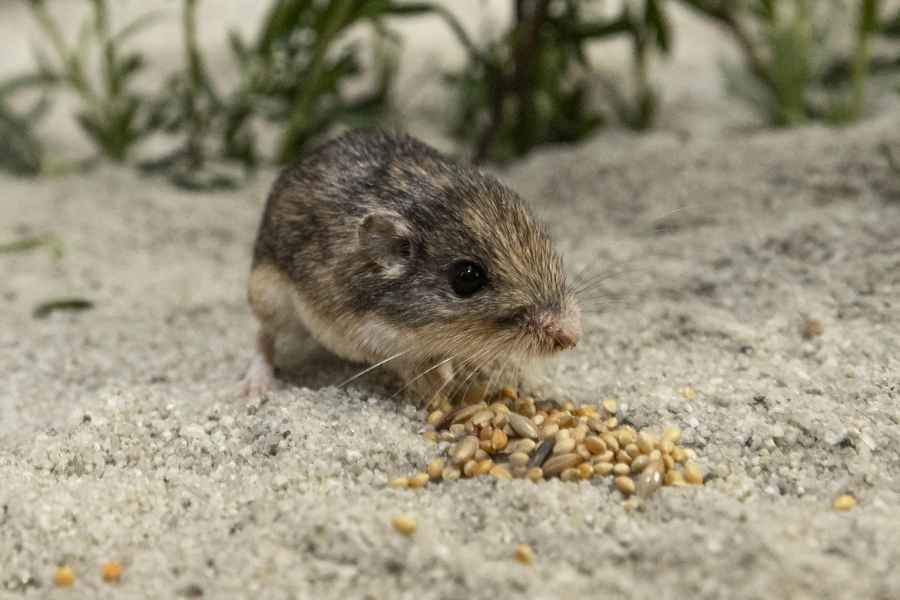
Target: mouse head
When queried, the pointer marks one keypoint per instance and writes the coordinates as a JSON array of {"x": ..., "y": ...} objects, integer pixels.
[{"x": 468, "y": 269}]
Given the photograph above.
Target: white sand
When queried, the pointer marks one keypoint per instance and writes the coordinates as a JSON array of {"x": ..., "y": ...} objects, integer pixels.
[{"x": 121, "y": 437}]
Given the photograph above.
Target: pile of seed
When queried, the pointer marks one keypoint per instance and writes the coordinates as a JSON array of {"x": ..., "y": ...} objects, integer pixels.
[{"x": 516, "y": 437}]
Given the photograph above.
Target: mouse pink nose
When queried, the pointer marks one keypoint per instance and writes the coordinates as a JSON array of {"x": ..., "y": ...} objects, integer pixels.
[{"x": 562, "y": 338}]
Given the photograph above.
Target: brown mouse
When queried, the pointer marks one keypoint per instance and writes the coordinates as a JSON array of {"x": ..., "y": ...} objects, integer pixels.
[{"x": 387, "y": 252}]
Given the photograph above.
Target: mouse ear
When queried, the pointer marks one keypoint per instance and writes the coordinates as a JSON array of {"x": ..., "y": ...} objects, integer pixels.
[{"x": 385, "y": 237}]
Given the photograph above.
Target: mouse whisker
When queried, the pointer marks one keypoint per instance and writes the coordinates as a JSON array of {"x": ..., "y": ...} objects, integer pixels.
[
  {"x": 372, "y": 368},
  {"x": 422, "y": 374}
]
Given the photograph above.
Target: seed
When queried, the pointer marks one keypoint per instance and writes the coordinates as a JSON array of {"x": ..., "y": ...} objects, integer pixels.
[
  {"x": 404, "y": 524},
  {"x": 607, "y": 456},
  {"x": 582, "y": 451},
  {"x": 665, "y": 446},
  {"x": 64, "y": 576},
  {"x": 646, "y": 443},
  {"x": 526, "y": 446},
  {"x": 585, "y": 471},
  {"x": 466, "y": 412},
  {"x": 534, "y": 474},
  {"x": 569, "y": 474},
  {"x": 566, "y": 420},
  {"x": 475, "y": 394},
  {"x": 655, "y": 455},
  {"x": 111, "y": 572},
  {"x": 500, "y": 419},
  {"x": 486, "y": 446},
  {"x": 640, "y": 463},
  {"x": 623, "y": 457},
  {"x": 500, "y": 472},
  {"x": 603, "y": 468},
  {"x": 400, "y": 483},
  {"x": 486, "y": 432},
  {"x": 525, "y": 406},
  {"x": 625, "y": 436},
  {"x": 499, "y": 440},
  {"x": 595, "y": 444},
  {"x": 560, "y": 462},
  {"x": 483, "y": 467},
  {"x": 844, "y": 503},
  {"x": 457, "y": 430},
  {"x": 499, "y": 407},
  {"x": 687, "y": 392},
  {"x": 580, "y": 432},
  {"x": 672, "y": 433},
  {"x": 469, "y": 468},
  {"x": 669, "y": 462},
  {"x": 541, "y": 453},
  {"x": 431, "y": 436},
  {"x": 482, "y": 417},
  {"x": 564, "y": 447},
  {"x": 435, "y": 468},
  {"x": 538, "y": 419},
  {"x": 674, "y": 478},
  {"x": 598, "y": 425},
  {"x": 524, "y": 554},
  {"x": 611, "y": 423},
  {"x": 679, "y": 455},
  {"x": 650, "y": 480},
  {"x": 625, "y": 485},
  {"x": 480, "y": 455},
  {"x": 418, "y": 481},
  {"x": 610, "y": 406},
  {"x": 523, "y": 426},
  {"x": 563, "y": 434},
  {"x": 693, "y": 474},
  {"x": 518, "y": 459},
  {"x": 632, "y": 450},
  {"x": 549, "y": 430},
  {"x": 510, "y": 393},
  {"x": 812, "y": 328},
  {"x": 435, "y": 417},
  {"x": 465, "y": 450},
  {"x": 611, "y": 442},
  {"x": 621, "y": 469}
]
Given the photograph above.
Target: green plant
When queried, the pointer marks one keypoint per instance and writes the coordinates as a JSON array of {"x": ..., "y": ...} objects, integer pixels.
[
  {"x": 793, "y": 71},
  {"x": 111, "y": 110},
  {"x": 531, "y": 85},
  {"x": 21, "y": 152}
]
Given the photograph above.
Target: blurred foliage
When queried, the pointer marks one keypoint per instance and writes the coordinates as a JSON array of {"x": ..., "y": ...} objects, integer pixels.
[
  {"x": 531, "y": 85},
  {"x": 794, "y": 72},
  {"x": 307, "y": 71}
]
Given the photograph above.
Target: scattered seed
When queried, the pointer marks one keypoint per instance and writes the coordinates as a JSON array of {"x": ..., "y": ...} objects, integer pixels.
[
  {"x": 646, "y": 443},
  {"x": 594, "y": 444},
  {"x": 524, "y": 554},
  {"x": 404, "y": 524},
  {"x": 64, "y": 576},
  {"x": 112, "y": 572},
  {"x": 611, "y": 423},
  {"x": 400, "y": 483},
  {"x": 812, "y": 328},
  {"x": 483, "y": 467},
  {"x": 549, "y": 430},
  {"x": 672, "y": 434},
  {"x": 465, "y": 413},
  {"x": 499, "y": 440},
  {"x": 465, "y": 450},
  {"x": 632, "y": 450},
  {"x": 510, "y": 393},
  {"x": 844, "y": 503},
  {"x": 687, "y": 392},
  {"x": 482, "y": 417},
  {"x": 650, "y": 480},
  {"x": 625, "y": 485},
  {"x": 603, "y": 468},
  {"x": 451, "y": 473},
  {"x": 486, "y": 446},
  {"x": 679, "y": 455},
  {"x": 435, "y": 418},
  {"x": 674, "y": 478},
  {"x": 621, "y": 469},
  {"x": 693, "y": 474},
  {"x": 582, "y": 451},
  {"x": 541, "y": 453},
  {"x": 564, "y": 446},
  {"x": 585, "y": 470},
  {"x": 518, "y": 459},
  {"x": 570, "y": 474},
  {"x": 623, "y": 457},
  {"x": 469, "y": 468},
  {"x": 435, "y": 468},
  {"x": 610, "y": 406},
  {"x": 500, "y": 472},
  {"x": 639, "y": 463},
  {"x": 419, "y": 480},
  {"x": 526, "y": 446},
  {"x": 523, "y": 426},
  {"x": 431, "y": 436},
  {"x": 534, "y": 474},
  {"x": 560, "y": 462}
]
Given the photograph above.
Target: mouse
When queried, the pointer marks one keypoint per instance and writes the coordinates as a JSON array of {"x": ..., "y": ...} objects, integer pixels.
[{"x": 389, "y": 253}]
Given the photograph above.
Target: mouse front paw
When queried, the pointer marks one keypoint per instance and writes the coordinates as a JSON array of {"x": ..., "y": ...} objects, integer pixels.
[{"x": 259, "y": 379}]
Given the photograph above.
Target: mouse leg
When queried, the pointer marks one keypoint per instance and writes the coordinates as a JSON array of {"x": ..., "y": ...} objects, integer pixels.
[
  {"x": 426, "y": 383},
  {"x": 260, "y": 376}
]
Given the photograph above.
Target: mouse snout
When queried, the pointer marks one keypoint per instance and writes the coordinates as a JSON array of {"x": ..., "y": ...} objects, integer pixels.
[{"x": 560, "y": 329}]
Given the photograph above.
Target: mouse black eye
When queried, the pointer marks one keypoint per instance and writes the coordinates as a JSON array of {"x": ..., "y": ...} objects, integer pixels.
[{"x": 467, "y": 277}]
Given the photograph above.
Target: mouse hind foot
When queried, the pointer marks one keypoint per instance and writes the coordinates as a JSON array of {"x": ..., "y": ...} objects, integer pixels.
[{"x": 260, "y": 376}]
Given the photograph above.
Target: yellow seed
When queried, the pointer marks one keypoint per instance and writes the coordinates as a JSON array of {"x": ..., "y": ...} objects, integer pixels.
[
  {"x": 549, "y": 430},
  {"x": 603, "y": 468},
  {"x": 812, "y": 328},
  {"x": 499, "y": 439},
  {"x": 435, "y": 417},
  {"x": 844, "y": 503},
  {"x": 585, "y": 471},
  {"x": 431, "y": 436},
  {"x": 611, "y": 423},
  {"x": 534, "y": 474},
  {"x": 483, "y": 467},
  {"x": 510, "y": 393},
  {"x": 625, "y": 485},
  {"x": 486, "y": 446},
  {"x": 672, "y": 433},
  {"x": 564, "y": 447},
  {"x": 666, "y": 446},
  {"x": 610, "y": 406},
  {"x": 646, "y": 442},
  {"x": 679, "y": 455},
  {"x": 655, "y": 455},
  {"x": 594, "y": 444},
  {"x": 418, "y": 480},
  {"x": 669, "y": 462},
  {"x": 480, "y": 455},
  {"x": 687, "y": 392},
  {"x": 560, "y": 462},
  {"x": 400, "y": 483},
  {"x": 404, "y": 524},
  {"x": 626, "y": 436},
  {"x": 582, "y": 451},
  {"x": 580, "y": 432},
  {"x": 499, "y": 407},
  {"x": 475, "y": 394},
  {"x": 500, "y": 472},
  {"x": 486, "y": 432},
  {"x": 568, "y": 405},
  {"x": 465, "y": 450},
  {"x": 435, "y": 468},
  {"x": 518, "y": 459},
  {"x": 525, "y": 446},
  {"x": 611, "y": 442},
  {"x": 623, "y": 457},
  {"x": 621, "y": 469},
  {"x": 608, "y": 456},
  {"x": 450, "y": 473},
  {"x": 64, "y": 576},
  {"x": 597, "y": 425},
  {"x": 524, "y": 554},
  {"x": 469, "y": 468},
  {"x": 482, "y": 417},
  {"x": 570, "y": 474},
  {"x": 693, "y": 474},
  {"x": 640, "y": 463},
  {"x": 674, "y": 478},
  {"x": 112, "y": 572},
  {"x": 632, "y": 450}
]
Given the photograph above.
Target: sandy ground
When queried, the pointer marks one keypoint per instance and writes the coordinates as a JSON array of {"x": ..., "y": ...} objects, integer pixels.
[{"x": 121, "y": 437}]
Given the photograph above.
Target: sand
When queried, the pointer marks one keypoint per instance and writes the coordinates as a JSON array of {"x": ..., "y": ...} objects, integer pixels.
[{"x": 122, "y": 437}]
